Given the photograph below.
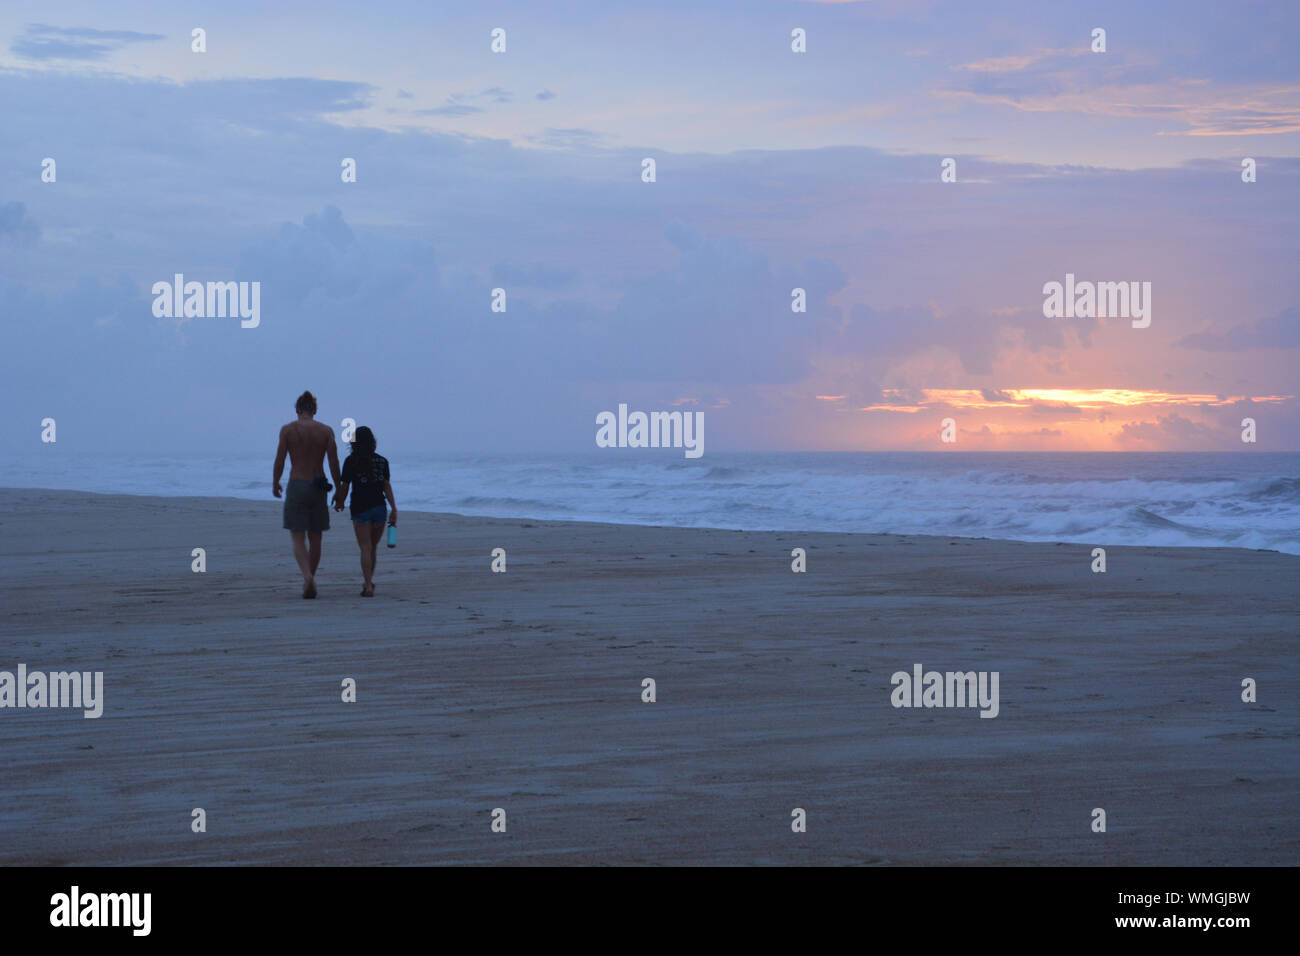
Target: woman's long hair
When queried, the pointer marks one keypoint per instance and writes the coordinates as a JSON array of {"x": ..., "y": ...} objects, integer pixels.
[{"x": 363, "y": 446}]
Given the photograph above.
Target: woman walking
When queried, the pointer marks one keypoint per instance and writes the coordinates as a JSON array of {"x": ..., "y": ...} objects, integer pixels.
[{"x": 367, "y": 474}]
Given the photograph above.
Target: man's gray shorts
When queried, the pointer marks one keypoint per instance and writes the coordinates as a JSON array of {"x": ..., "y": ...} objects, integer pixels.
[{"x": 305, "y": 506}]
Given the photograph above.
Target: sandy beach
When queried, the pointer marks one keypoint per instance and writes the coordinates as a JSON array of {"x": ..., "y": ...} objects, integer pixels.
[{"x": 523, "y": 690}]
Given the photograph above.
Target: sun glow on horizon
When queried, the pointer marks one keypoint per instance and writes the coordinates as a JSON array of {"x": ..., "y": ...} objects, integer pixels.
[{"x": 902, "y": 400}]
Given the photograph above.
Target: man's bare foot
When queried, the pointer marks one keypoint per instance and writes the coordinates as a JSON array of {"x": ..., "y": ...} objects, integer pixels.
[
  {"x": 309, "y": 589},
  {"x": 368, "y": 590}
]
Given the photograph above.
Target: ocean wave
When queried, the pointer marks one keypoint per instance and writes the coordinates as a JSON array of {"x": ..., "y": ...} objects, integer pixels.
[
  {"x": 1231, "y": 500},
  {"x": 481, "y": 501},
  {"x": 1280, "y": 489}
]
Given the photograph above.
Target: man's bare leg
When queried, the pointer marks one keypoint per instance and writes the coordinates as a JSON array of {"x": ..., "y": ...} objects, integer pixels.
[
  {"x": 303, "y": 557},
  {"x": 313, "y": 539}
]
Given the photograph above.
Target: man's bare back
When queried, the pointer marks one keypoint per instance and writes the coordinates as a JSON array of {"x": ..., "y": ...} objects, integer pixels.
[{"x": 307, "y": 443}]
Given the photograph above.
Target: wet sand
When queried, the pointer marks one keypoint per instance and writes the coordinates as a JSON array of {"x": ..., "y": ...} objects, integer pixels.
[{"x": 522, "y": 690}]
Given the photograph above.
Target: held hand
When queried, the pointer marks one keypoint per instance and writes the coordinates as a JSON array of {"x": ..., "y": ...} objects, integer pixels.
[
  {"x": 338, "y": 504},
  {"x": 275, "y": 489}
]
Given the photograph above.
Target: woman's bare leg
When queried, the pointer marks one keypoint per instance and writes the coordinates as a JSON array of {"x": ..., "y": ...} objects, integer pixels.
[
  {"x": 367, "y": 553},
  {"x": 376, "y": 535}
]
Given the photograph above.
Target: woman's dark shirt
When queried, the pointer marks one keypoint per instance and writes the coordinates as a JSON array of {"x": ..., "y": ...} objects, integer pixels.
[{"x": 367, "y": 483}]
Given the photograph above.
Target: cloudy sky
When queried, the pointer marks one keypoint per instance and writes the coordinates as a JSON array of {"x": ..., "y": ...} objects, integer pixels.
[{"x": 522, "y": 170}]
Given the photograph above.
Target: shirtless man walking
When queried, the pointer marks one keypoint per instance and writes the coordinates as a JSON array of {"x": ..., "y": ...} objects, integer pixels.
[{"x": 306, "y": 511}]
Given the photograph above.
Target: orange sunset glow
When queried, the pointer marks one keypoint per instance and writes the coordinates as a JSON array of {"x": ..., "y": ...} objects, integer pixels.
[
  {"x": 1069, "y": 397},
  {"x": 1056, "y": 419}
]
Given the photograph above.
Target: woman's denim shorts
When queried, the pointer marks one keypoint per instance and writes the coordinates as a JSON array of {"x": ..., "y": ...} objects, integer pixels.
[{"x": 376, "y": 515}]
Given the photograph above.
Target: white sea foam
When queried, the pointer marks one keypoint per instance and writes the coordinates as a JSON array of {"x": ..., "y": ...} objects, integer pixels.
[{"x": 1246, "y": 499}]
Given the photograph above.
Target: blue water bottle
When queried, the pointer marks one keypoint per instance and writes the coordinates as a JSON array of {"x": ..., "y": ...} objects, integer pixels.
[{"x": 392, "y": 535}]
